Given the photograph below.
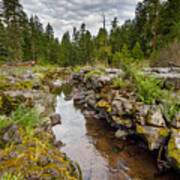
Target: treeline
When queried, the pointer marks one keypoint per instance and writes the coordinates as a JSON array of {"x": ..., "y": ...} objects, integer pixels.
[
  {"x": 155, "y": 26},
  {"x": 24, "y": 39}
]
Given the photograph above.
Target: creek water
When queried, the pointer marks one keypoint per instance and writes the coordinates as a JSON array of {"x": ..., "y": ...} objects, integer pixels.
[{"x": 91, "y": 143}]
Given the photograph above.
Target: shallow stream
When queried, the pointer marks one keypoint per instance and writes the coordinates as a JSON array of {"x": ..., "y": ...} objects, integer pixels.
[{"x": 101, "y": 156}]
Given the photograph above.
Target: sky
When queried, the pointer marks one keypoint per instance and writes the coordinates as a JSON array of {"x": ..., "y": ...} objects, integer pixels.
[{"x": 64, "y": 14}]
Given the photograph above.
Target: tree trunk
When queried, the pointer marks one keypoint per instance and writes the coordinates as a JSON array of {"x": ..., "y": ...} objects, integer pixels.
[{"x": 154, "y": 43}]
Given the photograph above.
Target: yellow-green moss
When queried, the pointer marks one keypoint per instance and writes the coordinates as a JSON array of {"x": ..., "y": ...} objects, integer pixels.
[
  {"x": 140, "y": 130},
  {"x": 104, "y": 104},
  {"x": 163, "y": 132},
  {"x": 94, "y": 72},
  {"x": 173, "y": 151},
  {"x": 37, "y": 157}
]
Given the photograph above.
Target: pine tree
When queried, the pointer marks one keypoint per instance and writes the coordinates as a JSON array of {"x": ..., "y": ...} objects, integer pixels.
[
  {"x": 13, "y": 18},
  {"x": 3, "y": 53},
  {"x": 137, "y": 52}
]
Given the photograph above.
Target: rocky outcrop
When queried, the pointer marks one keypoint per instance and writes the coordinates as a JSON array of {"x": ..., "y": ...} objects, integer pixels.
[{"x": 123, "y": 112}]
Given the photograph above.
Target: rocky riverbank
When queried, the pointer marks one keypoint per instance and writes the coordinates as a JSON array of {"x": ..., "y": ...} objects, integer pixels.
[
  {"x": 99, "y": 96},
  {"x": 28, "y": 149}
]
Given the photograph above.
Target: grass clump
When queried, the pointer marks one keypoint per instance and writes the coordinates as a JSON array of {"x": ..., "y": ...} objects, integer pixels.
[{"x": 94, "y": 72}]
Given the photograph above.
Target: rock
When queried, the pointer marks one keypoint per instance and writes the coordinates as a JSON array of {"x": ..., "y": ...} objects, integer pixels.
[
  {"x": 176, "y": 120},
  {"x": 128, "y": 107},
  {"x": 10, "y": 134},
  {"x": 141, "y": 112},
  {"x": 91, "y": 100},
  {"x": 155, "y": 117},
  {"x": 154, "y": 136},
  {"x": 149, "y": 115},
  {"x": 121, "y": 134},
  {"x": 104, "y": 104},
  {"x": 36, "y": 85},
  {"x": 117, "y": 108},
  {"x": 55, "y": 119},
  {"x": 124, "y": 122},
  {"x": 173, "y": 149}
]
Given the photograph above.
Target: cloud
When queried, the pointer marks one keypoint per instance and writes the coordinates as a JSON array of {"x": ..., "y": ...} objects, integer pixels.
[{"x": 64, "y": 14}]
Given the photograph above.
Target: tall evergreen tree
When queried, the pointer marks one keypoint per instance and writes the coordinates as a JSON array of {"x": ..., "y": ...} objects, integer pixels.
[{"x": 13, "y": 18}]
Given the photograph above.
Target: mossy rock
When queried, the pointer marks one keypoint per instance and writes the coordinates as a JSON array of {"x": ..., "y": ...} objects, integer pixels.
[
  {"x": 35, "y": 158},
  {"x": 154, "y": 136},
  {"x": 8, "y": 104},
  {"x": 16, "y": 86},
  {"x": 173, "y": 150},
  {"x": 104, "y": 104}
]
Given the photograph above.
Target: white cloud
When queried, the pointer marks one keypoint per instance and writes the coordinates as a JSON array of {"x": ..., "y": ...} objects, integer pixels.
[{"x": 64, "y": 14}]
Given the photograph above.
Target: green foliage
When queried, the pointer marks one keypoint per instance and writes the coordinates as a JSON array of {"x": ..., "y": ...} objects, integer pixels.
[
  {"x": 122, "y": 59},
  {"x": 148, "y": 88},
  {"x": 137, "y": 52},
  {"x": 4, "y": 122},
  {"x": 94, "y": 72},
  {"x": 26, "y": 116},
  {"x": 29, "y": 117},
  {"x": 120, "y": 83},
  {"x": 155, "y": 25}
]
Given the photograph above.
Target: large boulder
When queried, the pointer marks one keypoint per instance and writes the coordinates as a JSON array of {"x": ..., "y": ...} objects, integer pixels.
[{"x": 154, "y": 136}]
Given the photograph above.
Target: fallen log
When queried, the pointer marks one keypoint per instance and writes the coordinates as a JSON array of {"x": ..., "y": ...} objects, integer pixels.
[{"x": 29, "y": 63}]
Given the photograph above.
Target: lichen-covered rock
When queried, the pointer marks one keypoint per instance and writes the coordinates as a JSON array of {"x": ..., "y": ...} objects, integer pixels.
[
  {"x": 8, "y": 104},
  {"x": 154, "y": 136},
  {"x": 155, "y": 117},
  {"x": 104, "y": 104},
  {"x": 141, "y": 111},
  {"x": 36, "y": 158},
  {"x": 173, "y": 149},
  {"x": 124, "y": 122}
]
